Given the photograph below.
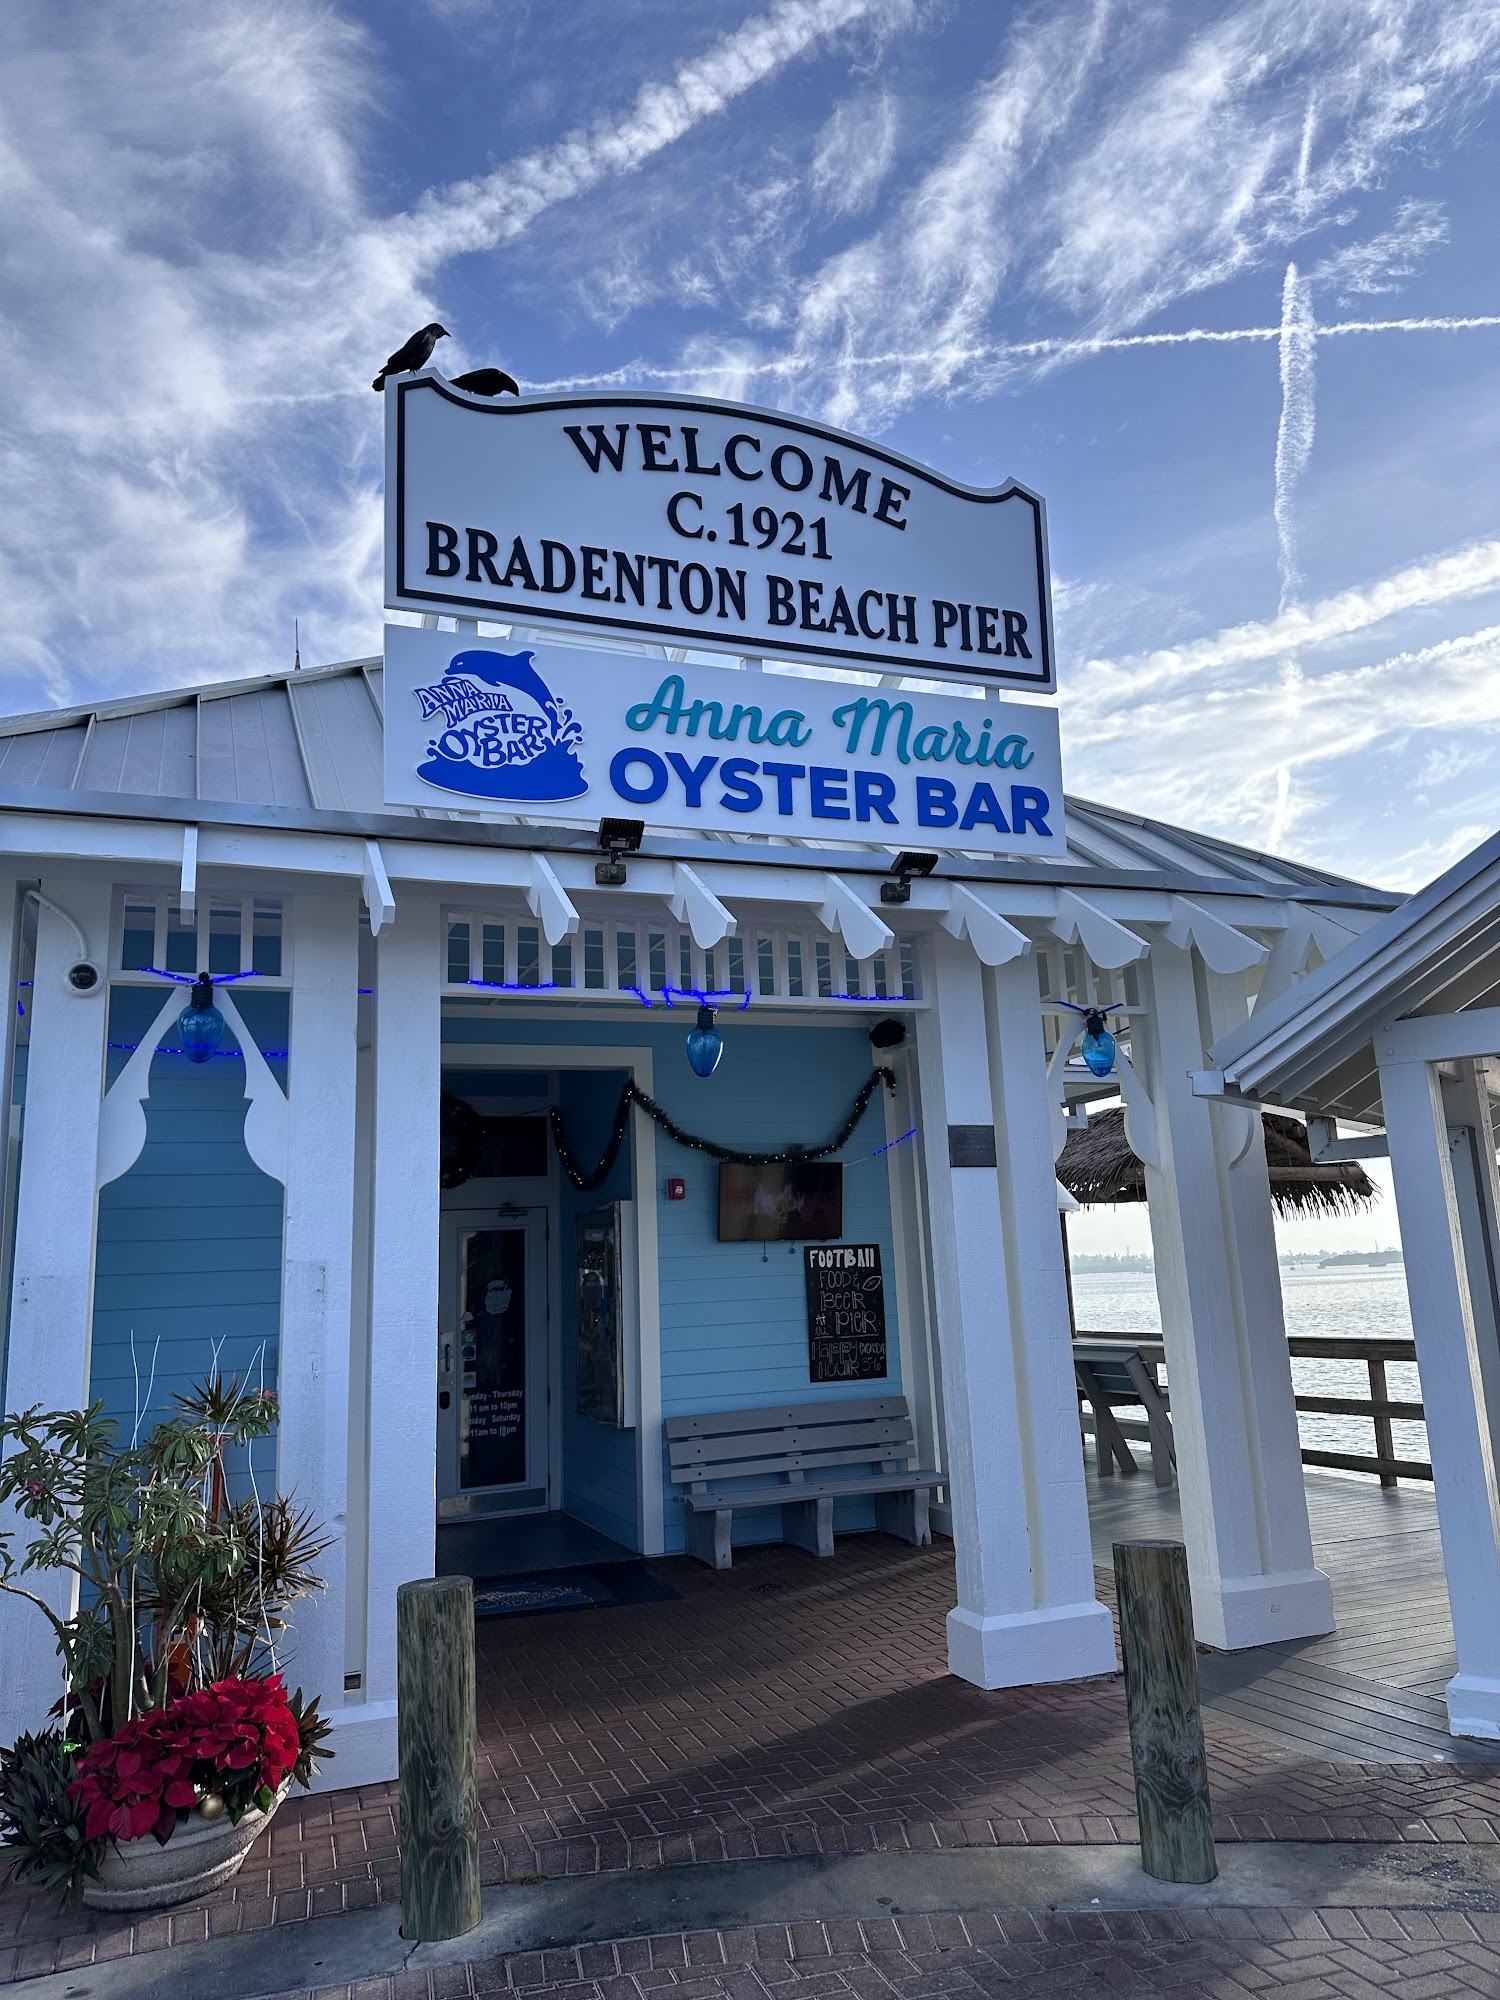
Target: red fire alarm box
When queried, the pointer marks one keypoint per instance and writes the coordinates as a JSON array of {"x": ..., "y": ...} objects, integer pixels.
[{"x": 676, "y": 1190}]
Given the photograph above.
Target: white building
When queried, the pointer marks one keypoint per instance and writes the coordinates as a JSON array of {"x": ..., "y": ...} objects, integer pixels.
[{"x": 282, "y": 1207}]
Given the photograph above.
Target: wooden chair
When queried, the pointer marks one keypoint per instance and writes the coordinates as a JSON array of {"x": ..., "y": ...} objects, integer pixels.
[{"x": 1114, "y": 1372}]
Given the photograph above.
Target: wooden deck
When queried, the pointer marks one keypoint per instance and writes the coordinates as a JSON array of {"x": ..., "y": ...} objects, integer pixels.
[{"x": 1371, "y": 1692}]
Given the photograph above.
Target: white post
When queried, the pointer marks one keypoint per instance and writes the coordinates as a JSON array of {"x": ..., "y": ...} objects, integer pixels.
[
  {"x": 402, "y": 1471},
  {"x": 1026, "y": 1610},
  {"x": 1234, "y": 1420},
  {"x": 52, "y": 1301},
  {"x": 313, "y": 1376},
  {"x": 1453, "y": 1399}
]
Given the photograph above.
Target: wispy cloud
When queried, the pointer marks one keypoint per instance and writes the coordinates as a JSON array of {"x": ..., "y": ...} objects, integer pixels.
[
  {"x": 854, "y": 153},
  {"x": 1383, "y": 262},
  {"x": 1294, "y": 434}
]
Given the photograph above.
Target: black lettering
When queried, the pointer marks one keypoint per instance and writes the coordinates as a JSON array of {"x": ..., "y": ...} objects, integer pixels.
[
  {"x": 552, "y": 553},
  {"x": 903, "y": 613},
  {"x": 732, "y": 456},
  {"x": 482, "y": 547},
  {"x": 888, "y": 506},
  {"x": 843, "y": 492},
  {"x": 702, "y": 582},
  {"x": 442, "y": 549},
  {"x": 593, "y": 572},
  {"x": 601, "y": 447},
  {"x": 634, "y": 578},
  {"x": 664, "y": 566},
  {"x": 944, "y": 618},
  {"x": 963, "y": 623},
  {"x": 987, "y": 614},
  {"x": 690, "y": 439},
  {"x": 1015, "y": 636},
  {"x": 674, "y": 520},
  {"x": 840, "y": 617},
  {"x": 731, "y": 590},
  {"x": 778, "y": 468},
  {"x": 653, "y": 443},
  {"x": 870, "y": 631},
  {"x": 519, "y": 566},
  {"x": 811, "y": 595},
  {"x": 782, "y": 609}
]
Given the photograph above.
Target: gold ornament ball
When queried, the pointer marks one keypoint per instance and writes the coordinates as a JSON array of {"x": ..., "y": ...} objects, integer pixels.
[{"x": 210, "y": 1805}]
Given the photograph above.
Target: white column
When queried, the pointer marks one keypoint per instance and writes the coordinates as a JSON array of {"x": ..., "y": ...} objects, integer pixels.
[
  {"x": 1239, "y": 1458},
  {"x": 52, "y": 1299},
  {"x": 1458, "y": 1428},
  {"x": 1026, "y": 1610},
  {"x": 313, "y": 1378},
  {"x": 402, "y": 1467}
]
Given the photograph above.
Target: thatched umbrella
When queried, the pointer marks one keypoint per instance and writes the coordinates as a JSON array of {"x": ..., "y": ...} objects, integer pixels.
[{"x": 1098, "y": 1165}]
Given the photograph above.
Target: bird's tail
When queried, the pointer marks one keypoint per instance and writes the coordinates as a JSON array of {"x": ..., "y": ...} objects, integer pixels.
[{"x": 379, "y": 382}]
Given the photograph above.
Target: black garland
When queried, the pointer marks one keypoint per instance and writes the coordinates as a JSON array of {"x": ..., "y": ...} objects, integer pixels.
[{"x": 586, "y": 1183}]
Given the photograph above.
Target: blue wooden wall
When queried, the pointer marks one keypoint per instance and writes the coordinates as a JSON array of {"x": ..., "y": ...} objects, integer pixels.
[
  {"x": 188, "y": 1266},
  {"x": 733, "y": 1315}
]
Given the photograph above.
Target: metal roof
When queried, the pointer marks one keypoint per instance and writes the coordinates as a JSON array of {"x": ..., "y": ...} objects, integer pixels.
[
  {"x": 1437, "y": 953},
  {"x": 306, "y": 749}
]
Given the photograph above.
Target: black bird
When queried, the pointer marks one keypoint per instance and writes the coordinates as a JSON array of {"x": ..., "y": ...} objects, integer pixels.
[
  {"x": 416, "y": 353},
  {"x": 488, "y": 382}
]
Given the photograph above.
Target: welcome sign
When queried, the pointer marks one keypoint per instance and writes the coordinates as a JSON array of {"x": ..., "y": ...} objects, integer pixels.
[
  {"x": 714, "y": 524},
  {"x": 567, "y": 733}
]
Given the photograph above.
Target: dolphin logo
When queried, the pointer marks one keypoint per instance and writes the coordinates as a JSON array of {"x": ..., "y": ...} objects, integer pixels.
[{"x": 507, "y": 736}]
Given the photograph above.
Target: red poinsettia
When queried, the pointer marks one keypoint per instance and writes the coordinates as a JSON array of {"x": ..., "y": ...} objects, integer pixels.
[{"x": 237, "y": 1737}]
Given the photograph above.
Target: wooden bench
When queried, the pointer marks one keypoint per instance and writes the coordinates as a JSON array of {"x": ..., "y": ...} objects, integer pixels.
[
  {"x": 1115, "y": 1372},
  {"x": 800, "y": 1457}
]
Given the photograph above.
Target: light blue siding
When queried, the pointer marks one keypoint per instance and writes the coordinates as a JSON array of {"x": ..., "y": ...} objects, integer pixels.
[
  {"x": 734, "y": 1315},
  {"x": 188, "y": 1266}
]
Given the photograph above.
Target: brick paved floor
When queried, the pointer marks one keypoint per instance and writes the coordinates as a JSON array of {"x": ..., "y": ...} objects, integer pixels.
[
  {"x": 1293, "y": 1954},
  {"x": 787, "y": 1707}
]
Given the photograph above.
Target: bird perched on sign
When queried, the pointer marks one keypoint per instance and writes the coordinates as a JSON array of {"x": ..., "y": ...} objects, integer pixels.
[
  {"x": 488, "y": 382},
  {"x": 415, "y": 354}
]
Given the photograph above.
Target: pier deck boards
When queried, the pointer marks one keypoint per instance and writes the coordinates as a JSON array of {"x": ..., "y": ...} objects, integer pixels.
[{"x": 1371, "y": 1692}]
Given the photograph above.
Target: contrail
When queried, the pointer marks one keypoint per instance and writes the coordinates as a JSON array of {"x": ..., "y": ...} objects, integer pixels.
[
  {"x": 1059, "y": 348},
  {"x": 1294, "y": 433}
]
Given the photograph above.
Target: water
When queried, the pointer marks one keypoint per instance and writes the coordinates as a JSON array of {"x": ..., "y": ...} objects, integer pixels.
[{"x": 1337, "y": 1304}]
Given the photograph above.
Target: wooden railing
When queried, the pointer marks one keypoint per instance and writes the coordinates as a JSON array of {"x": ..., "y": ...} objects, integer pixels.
[{"x": 1376, "y": 1354}]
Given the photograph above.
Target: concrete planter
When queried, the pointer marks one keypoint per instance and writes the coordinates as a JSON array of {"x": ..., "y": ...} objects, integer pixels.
[{"x": 201, "y": 1855}]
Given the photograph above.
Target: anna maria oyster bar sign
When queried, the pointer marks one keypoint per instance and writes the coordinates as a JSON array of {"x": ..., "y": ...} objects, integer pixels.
[{"x": 710, "y": 524}]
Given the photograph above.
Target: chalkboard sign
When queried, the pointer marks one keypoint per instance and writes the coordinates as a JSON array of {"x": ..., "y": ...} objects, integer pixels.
[{"x": 845, "y": 1312}]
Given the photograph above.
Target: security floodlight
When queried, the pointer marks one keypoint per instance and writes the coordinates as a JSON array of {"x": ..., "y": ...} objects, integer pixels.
[
  {"x": 906, "y": 864},
  {"x": 617, "y": 838}
]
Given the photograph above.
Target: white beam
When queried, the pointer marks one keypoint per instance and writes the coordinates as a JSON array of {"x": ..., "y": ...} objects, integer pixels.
[
  {"x": 1439, "y": 1037},
  {"x": 1107, "y": 943},
  {"x": 844, "y": 911},
  {"x": 1221, "y": 947},
  {"x": 380, "y": 901},
  {"x": 187, "y": 893},
  {"x": 52, "y": 1296},
  {"x": 549, "y": 902},
  {"x": 995, "y": 940},
  {"x": 696, "y": 905}
]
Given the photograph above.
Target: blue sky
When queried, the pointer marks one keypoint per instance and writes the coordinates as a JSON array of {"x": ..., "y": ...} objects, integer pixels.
[{"x": 950, "y": 224}]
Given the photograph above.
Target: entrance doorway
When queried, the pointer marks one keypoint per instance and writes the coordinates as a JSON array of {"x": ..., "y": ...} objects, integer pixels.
[{"x": 493, "y": 1349}]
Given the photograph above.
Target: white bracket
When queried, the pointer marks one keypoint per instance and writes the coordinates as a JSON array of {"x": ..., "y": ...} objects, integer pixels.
[
  {"x": 550, "y": 902},
  {"x": 841, "y": 910},
  {"x": 380, "y": 899},
  {"x": 187, "y": 892},
  {"x": 122, "y": 1115},
  {"x": 996, "y": 941},
  {"x": 1326, "y": 1147},
  {"x": 266, "y": 1121},
  {"x": 1221, "y": 947},
  {"x": 1140, "y": 1113},
  {"x": 695, "y": 904},
  {"x": 1107, "y": 943}
]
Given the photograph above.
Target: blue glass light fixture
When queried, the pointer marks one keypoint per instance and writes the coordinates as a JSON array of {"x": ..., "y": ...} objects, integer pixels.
[
  {"x": 705, "y": 1044},
  {"x": 200, "y": 1025},
  {"x": 1098, "y": 1045}
]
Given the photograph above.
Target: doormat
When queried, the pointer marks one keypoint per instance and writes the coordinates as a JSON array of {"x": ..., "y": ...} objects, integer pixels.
[{"x": 602, "y": 1588}]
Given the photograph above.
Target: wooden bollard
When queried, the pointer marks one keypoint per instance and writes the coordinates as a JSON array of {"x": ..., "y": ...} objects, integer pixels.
[
  {"x": 1166, "y": 1720},
  {"x": 435, "y": 1755}
]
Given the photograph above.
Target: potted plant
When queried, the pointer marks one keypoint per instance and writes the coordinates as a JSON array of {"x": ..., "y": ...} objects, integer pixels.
[{"x": 179, "y": 1739}]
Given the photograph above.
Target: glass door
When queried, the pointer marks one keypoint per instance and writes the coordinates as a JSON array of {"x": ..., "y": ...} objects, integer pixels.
[{"x": 492, "y": 1364}]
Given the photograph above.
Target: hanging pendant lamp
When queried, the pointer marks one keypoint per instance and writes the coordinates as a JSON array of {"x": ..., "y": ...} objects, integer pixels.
[
  {"x": 200, "y": 1025},
  {"x": 1098, "y": 1045},
  {"x": 705, "y": 1044}
]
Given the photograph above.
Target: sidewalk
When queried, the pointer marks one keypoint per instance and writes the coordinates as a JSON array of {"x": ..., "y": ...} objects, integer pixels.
[{"x": 787, "y": 1708}]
